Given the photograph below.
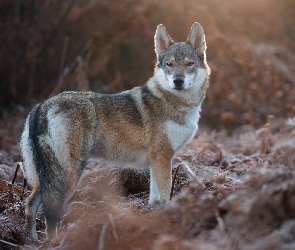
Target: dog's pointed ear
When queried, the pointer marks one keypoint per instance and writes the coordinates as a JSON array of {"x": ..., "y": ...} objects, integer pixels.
[
  {"x": 196, "y": 38},
  {"x": 162, "y": 41}
]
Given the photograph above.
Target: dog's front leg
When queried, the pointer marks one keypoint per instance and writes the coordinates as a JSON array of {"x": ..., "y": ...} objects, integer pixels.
[{"x": 160, "y": 183}]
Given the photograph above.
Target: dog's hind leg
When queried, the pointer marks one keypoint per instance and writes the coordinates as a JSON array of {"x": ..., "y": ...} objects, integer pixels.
[
  {"x": 53, "y": 189},
  {"x": 58, "y": 184},
  {"x": 33, "y": 203},
  {"x": 34, "y": 200},
  {"x": 64, "y": 158},
  {"x": 52, "y": 201}
]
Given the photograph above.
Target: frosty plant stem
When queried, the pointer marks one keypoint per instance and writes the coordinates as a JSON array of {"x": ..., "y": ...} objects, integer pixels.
[
  {"x": 10, "y": 244},
  {"x": 192, "y": 174},
  {"x": 13, "y": 180},
  {"x": 173, "y": 181},
  {"x": 104, "y": 230},
  {"x": 291, "y": 122},
  {"x": 115, "y": 234}
]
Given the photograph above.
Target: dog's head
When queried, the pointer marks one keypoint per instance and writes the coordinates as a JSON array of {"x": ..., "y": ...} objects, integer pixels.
[{"x": 181, "y": 66}]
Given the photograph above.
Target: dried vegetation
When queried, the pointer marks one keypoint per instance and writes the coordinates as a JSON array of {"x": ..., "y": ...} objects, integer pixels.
[{"x": 243, "y": 155}]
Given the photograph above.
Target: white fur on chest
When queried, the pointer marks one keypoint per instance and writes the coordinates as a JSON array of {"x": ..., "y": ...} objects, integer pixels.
[{"x": 180, "y": 134}]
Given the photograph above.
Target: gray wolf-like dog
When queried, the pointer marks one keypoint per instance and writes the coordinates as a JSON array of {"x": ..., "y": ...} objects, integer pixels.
[{"x": 142, "y": 127}]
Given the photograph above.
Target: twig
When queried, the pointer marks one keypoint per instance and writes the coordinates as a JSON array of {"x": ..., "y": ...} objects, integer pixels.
[
  {"x": 15, "y": 173},
  {"x": 63, "y": 54},
  {"x": 220, "y": 222},
  {"x": 87, "y": 58},
  {"x": 22, "y": 169},
  {"x": 10, "y": 244},
  {"x": 173, "y": 181},
  {"x": 192, "y": 174},
  {"x": 82, "y": 75},
  {"x": 13, "y": 180},
  {"x": 104, "y": 230},
  {"x": 102, "y": 236},
  {"x": 115, "y": 234},
  {"x": 71, "y": 67},
  {"x": 25, "y": 183}
]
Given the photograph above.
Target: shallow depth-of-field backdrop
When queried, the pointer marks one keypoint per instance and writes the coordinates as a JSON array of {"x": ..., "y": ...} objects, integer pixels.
[
  {"x": 243, "y": 154},
  {"x": 250, "y": 50}
]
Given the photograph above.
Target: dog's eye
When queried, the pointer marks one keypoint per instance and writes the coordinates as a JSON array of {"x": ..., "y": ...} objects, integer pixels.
[
  {"x": 190, "y": 64},
  {"x": 169, "y": 64}
]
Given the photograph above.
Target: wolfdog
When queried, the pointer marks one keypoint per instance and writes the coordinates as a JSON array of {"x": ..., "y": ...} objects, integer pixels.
[{"x": 142, "y": 127}]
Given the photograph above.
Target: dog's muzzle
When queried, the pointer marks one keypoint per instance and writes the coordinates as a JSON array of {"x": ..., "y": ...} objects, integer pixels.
[{"x": 178, "y": 83}]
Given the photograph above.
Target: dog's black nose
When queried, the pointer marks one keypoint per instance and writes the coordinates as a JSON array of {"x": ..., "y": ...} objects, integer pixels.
[{"x": 178, "y": 81}]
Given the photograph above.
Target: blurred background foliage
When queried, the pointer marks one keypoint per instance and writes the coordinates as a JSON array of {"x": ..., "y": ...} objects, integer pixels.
[{"x": 49, "y": 46}]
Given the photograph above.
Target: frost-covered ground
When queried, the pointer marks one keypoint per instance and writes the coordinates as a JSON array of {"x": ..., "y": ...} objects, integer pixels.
[{"x": 246, "y": 200}]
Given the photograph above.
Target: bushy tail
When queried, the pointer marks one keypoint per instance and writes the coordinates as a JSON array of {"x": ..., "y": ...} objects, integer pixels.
[{"x": 50, "y": 174}]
